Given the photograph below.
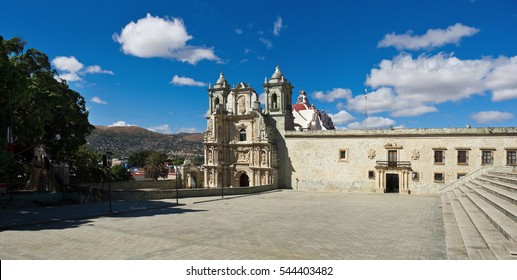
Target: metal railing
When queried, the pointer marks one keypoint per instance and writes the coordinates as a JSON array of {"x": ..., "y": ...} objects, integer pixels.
[{"x": 394, "y": 163}]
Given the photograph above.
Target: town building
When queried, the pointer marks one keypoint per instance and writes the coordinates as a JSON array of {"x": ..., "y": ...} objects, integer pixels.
[{"x": 295, "y": 146}]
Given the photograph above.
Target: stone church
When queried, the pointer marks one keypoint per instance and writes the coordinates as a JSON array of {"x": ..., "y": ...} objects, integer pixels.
[{"x": 296, "y": 146}]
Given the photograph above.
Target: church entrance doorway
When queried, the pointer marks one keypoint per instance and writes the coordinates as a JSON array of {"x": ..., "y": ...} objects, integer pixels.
[
  {"x": 244, "y": 180},
  {"x": 392, "y": 183}
]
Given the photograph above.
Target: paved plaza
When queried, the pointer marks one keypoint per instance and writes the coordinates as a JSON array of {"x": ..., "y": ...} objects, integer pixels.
[{"x": 282, "y": 224}]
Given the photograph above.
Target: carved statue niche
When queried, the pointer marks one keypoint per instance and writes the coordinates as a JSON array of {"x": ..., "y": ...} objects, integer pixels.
[
  {"x": 415, "y": 154},
  {"x": 263, "y": 158},
  {"x": 241, "y": 106},
  {"x": 209, "y": 131},
  {"x": 210, "y": 156},
  {"x": 371, "y": 153}
]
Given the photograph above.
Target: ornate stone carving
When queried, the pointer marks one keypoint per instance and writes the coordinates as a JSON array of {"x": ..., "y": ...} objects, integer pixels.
[
  {"x": 263, "y": 158},
  {"x": 371, "y": 153},
  {"x": 415, "y": 154},
  {"x": 392, "y": 145},
  {"x": 242, "y": 108}
]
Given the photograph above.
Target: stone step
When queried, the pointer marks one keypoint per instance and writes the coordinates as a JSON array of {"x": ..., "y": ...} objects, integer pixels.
[
  {"x": 473, "y": 241},
  {"x": 504, "y": 174},
  {"x": 454, "y": 242},
  {"x": 505, "y": 177},
  {"x": 504, "y": 206},
  {"x": 509, "y": 196},
  {"x": 477, "y": 209},
  {"x": 500, "y": 184},
  {"x": 498, "y": 230}
]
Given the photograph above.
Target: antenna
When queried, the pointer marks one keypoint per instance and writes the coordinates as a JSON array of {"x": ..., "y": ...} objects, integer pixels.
[{"x": 366, "y": 108}]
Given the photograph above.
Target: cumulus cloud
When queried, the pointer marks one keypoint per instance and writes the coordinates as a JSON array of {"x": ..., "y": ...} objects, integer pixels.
[
  {"x": 122, "y": 123},
  {"x": 161, "y": 37},
  {"x": 97, "y": 100},
  {"x": 331, "y": 96},
  {"x": 164, "y": 129},
  {"x": 341, "y": 118},
  {"x": 417, "y": 84},
  {"x": 502, "y": 80},
  {"x": 372, "y": 123},
  {"x": 491, "y": 116},
  {"x": 67, "y": 64},
  {"x": 431, "y": 39},
  {"x": 278, "y": 26},
  {"x": 185, "y": 81},
  {"x": 71, "y": 69},
  {"x": 96, "y": 69}
]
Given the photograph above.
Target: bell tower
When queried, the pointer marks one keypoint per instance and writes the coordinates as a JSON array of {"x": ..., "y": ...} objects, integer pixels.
[
  {"x": 279, "y": 92},
  {"x": 218, "y": 95}
]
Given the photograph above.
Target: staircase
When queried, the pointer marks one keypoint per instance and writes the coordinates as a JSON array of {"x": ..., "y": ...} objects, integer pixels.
[{"x": 480, "y": 217}]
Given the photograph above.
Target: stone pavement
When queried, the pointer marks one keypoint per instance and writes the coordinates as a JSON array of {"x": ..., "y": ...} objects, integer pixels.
[{"x": 274, "y": 225}]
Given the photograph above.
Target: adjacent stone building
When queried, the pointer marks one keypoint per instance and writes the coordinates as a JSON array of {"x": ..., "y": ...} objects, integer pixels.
[{"x": 295, "y": 146}]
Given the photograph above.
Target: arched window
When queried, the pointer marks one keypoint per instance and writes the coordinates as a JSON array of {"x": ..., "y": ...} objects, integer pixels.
[
  {"x": 242, "y": 135},
  {"x": 274, "y": 101},
  {"x": 244, "y": 180}
]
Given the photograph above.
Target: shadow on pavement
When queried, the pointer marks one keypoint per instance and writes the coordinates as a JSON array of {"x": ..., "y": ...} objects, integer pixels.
[{"x": 63, "y": 217}]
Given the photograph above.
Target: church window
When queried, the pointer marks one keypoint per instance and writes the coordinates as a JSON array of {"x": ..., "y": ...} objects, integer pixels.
[
  {"x": 439, "y": 156},
  {"x": 439, "y": 178},
  {"x": 371, "y": 174},
  {"x": 459, "y": 175},
  {"x": 242, "y": 135},
  {"x": 343, "y": 154},
  {"x": 274, "y": 101},
  {"x": 487, "y": 157},
  {"x": 463, "y": 157},
  {"x": 511, "y": 157}
]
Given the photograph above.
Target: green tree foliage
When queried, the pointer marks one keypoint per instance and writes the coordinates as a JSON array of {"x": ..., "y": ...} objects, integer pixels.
[
  {"x": 44, "y": 110},
  {"x": 85, "y": 166},
  {"x": 120, "y": 174},
  {"x": 155, "y": 166},
  {"x": 137, "y": 159}
]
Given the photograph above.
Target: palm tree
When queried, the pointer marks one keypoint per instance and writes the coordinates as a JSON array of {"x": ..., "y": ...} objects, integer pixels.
[{"x": 155, "y": 166}]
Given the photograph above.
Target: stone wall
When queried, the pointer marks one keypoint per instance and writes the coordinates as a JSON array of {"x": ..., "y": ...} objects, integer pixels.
[{"x": 316, "y": 163}]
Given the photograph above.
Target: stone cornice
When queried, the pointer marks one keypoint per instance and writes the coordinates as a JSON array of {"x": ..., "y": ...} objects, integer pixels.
[{"x": 406, "y": 132}]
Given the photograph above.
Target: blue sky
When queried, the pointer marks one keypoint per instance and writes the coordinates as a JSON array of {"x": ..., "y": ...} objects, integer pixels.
[{"x": 148, "y": 63}]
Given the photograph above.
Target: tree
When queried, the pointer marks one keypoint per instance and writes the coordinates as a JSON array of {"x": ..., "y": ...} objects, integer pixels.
[
  {"x": 85, "y": 166},
  {"x": 155, "y": 166},
  {"x": 137, "y": 159},
  {"x": 120, "y": 174},
  {"x": 44, "y": 109}
]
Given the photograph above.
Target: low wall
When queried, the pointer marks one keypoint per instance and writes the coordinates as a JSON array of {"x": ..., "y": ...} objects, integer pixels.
[
  {"x": 133, "y": 185},
  {"x": 168, "y": 194}
]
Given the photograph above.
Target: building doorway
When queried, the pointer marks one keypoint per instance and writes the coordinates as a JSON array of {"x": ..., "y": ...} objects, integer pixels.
[
  {"x": 392, "y": 183},
  {"x": 244, "y": 180}
]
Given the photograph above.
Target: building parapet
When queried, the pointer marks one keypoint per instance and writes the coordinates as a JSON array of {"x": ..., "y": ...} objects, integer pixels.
[{"x": 406, "y": 132}]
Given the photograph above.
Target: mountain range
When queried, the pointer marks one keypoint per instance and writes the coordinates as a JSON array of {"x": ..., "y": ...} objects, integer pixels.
[{"x": 124, "y": 140}]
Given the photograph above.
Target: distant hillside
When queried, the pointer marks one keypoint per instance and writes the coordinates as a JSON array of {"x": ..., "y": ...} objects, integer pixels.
[{"x": 124, "y": 140}]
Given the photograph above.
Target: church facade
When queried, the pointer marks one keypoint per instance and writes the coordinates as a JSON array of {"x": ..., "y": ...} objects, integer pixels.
[{"x": 295, "y": 146}]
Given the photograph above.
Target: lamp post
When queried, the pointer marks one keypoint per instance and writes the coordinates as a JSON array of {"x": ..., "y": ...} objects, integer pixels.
[{"x": 108, "y": 165}]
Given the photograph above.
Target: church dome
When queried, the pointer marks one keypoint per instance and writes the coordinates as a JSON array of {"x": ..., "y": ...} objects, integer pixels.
[
  {"x": 221, "y": 79},
  {"x": 277, "y": 74}
]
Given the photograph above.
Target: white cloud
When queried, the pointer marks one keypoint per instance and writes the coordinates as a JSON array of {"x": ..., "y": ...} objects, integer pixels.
[
  {"x": 331, "y": 96},
  {"x": 70, "y": 77},
  {"x": 434, "y": 79},
  {"x": 97, "y": 100},
  {"x": 381, "y": 100},
  {"x": 96, "y": 69},
  {"x": 278, "y": 26},
  {"x": 238, "y": 31},
  {"x": 71, "y": 69},
  {"x": 164, "y": 128},
  {"x": 122, "y": 123},
  {"x": 341, "y": 118},
  {"x": 161, "y": 37},
  {"x": 431, "y": 39},
  {"x": 417, "y": 84},
  {"x": 67, "y": 64},
  {"x": 491, "y": 116},
  {"x": 188, "y": 130},
  {"x": 266, "y": 42},
  {"x": 502, "y": 81},
  {"x": 185, "y": 81},
  {"x": 372, "y": 123}
]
